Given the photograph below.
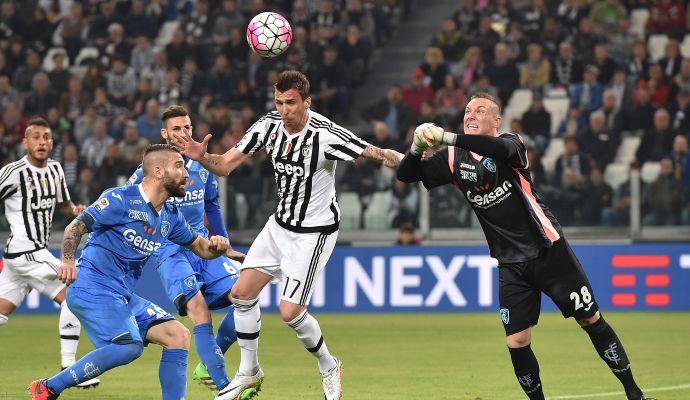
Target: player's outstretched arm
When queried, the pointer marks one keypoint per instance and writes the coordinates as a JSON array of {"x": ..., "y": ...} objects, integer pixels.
[
  {"x": 213, "y": 247},
  {"x": 388, "y": 157},
  {"x": 219, "y": 164},
  {"x": 70, "y": 209},
  {"x": 67, "y": 271}
]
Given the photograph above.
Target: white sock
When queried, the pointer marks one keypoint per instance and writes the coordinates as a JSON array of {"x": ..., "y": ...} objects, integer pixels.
[
  {"x": 248, "y": 325},
  {"x": 309, "y": 332},
  {"x": 69, "y": 335},
  {"x": 3, "y": 319}
]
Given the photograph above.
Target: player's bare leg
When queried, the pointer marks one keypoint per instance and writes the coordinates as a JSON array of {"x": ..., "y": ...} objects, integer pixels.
[
  {"x": 525, "y": 363},
  {"x": 309, "y": 333},
  {"x": 245, "y": 298},
  {"x": 611, "y": 350},
  {"x": 6, "y": 308}
]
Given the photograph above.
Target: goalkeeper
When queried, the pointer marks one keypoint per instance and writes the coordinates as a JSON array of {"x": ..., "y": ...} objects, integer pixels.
[{"x": 492, "y": 171}]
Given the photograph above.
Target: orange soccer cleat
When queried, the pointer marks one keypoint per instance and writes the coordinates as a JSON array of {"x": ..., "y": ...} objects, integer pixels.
[{"x": 39, "y": 391}]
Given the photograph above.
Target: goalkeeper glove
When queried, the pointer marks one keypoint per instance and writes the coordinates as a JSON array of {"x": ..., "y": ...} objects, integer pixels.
[{"x": 430, "y": 135}]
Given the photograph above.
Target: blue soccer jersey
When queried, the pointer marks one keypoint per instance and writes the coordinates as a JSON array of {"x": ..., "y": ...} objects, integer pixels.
[{"x": 125, "y": 231}]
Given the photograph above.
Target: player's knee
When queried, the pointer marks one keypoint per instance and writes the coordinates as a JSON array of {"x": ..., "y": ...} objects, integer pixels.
[
  {"x": 584, "y": 322},
  {"x": 238, "y": 292},
  {"x": 3, "y": 319},
  {"x": 177, "y": 337},
  {"x": 289, "y": 311},
  {"x": 197, "y": 310},
  {"x": 520, "y": 339}
]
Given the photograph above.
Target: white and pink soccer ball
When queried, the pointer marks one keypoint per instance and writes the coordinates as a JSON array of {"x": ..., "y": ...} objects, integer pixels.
[{"x": 269, "y": 34}]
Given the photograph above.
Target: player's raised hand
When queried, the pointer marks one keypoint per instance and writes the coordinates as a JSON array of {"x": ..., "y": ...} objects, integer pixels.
[
  {"x": 235, "y": 255},
  {"x": 67, "y": 273},
  {"x": 429, "y": 133},
  {"x": 219, "y": 244},
  {"x": 190, "y": 147}
]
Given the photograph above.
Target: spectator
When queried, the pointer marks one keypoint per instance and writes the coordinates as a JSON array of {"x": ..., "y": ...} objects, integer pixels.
[
  {"x": 104, "y": 108},
  {"x": 13, "y": 125},
  {"x": 450, "y": 40},
  {"x": 327, "y": 20},
  {"x": 24, "y": 75},
  {"x": 469, "y": 68},
  {"x": 598, "y": 141},
  {"x": 143, "y": 94},
  {"x": 680, "y": 113},
  {"x": 237, "y": 49},
  {"x": 605, "y": 16},
  {"x": 573, "y": 161},
  {"x": 59, "y": 76},
  {"x": 191, "y": 81},
  {"x": 622, "y": 90},
  {"x": 536, "y": 71},
  {"x": 666, "y": 17},
  {"x": 532, "y": 19},
  {"x": 682, "y": 80},
  {"x": 403, "y": 203},
  {"x": 641, "y": 115},
  {"x": 169, "y": 92},
  {"x": 503, "y": 73},
  {"x": 656, "y": 142},
  {"x": 450, "y": 99},
  {"x": 41, "y": 98},
  {"x": 467, "y": 17},
  {"x": 229, "y": 17},
  {"x": 93, "y": 78},
  {"x": 588, "y": 94},
  {"x": 566, "y": 69},
  {"x": 416, "y": 91},
  {"x": 569, "y": 13},
  {"x": 132, "y": 146},
  {"x": 638, "y": 65},
  {"x": 434, "y": 67},
  {"x": 620, "y": 42},
  {"x": 8, "y": 94},
  {"x": 551, "y": 38},
  {"x": 331, "y": 89},
  {"x": 604, "y": 63},
  {"x": 196, "y": 26},
  {"x": 358, "y": 15},
  {"x": 536, "y": 122},
  {"x": 178, "y": 49},
  {"x": 149, "y": 124},
  {"x": 221, "y": 79},
  {"x": 121, "y": 82},
  {"x": 393, "y": 111},
  {"x": 116, "y": 45},
  {"x": 514, "y": 39},
  {"x": 663, "y": 199},
  {"x": 407, "y": 235},
  {"x": 142, "y": 55},
  {"x": 355, "y": 51},
  {"x": 486, "y": 39},
  {"x": 70, "y": 165},
  {"x": 14, "y": 23},
  {"x": 94, "y": 148},
  {"x": 659, "y": 90},
  {"x": 598, "y": 200},
  {"x": 85, "y": 191},
  {"x": 138, "y": 23},
  {"x": 670, "y": 63},
  {"x": 681, "y": 161},
  {"x": 98, "y": 30},
  {"x": 70, "y": 29},
  {"x": 584, "y": 40}
]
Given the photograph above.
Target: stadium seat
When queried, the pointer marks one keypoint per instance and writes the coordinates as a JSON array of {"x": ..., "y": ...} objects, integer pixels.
[
  {"x": 558, "y": 108},
  {"x": 657, "y": 46},
  {"x": 48, "y": 59},
  {"x": 685, "y": 46},
  {"x": 166, "y": 33},
  {"x": 556, "y": 93},
  {"x": 242, "y": 209},
  {"x": 551, "y": 154},
  {"x": 376, "y": 215},
  {"x": 627, "y": 149},
  {"x": 638, "y": 20},
  {"x": 520, "y": 101},
  {"x": 350, "y": 210},
  {"x": 650, "y": 171},
  {"x": 616, "y": 174},
  {"x": 86, "y": 53}
]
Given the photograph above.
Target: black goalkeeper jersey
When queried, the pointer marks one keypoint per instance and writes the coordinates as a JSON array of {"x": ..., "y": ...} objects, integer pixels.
[{"x": 516, "y": 222}]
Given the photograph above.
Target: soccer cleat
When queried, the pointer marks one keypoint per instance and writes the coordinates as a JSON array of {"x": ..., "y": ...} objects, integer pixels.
[
  {"x": 88, "y": 384},
  {"x": 203, "y": 378},
  {"x": 242, "y": 387},
  {"x": 333, "y": 382},
  {"x": 39, "y": 391}
]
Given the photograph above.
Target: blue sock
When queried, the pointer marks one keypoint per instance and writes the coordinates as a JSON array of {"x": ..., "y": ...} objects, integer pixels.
[
  {"x": 172, "y": 374},
  {"x": 226, "y": 331},
  {"x": 210, "y": 354},
  {"x": 95, "y": 363}
]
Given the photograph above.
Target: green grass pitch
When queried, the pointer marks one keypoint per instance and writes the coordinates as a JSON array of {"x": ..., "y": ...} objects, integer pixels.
[{"x": 391, "y": 356}]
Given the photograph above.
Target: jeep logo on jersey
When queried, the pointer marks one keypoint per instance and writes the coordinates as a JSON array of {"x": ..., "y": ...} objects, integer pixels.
[
  {"x": 43, "y": 204},
  {"x": 492, "y": 198},
  {"x": 203, "y": 174},
  {"x": 165, "y": 228},
  {"x": 289, "y": 169},
  {"x": 143, "y": 245},
  {"x": 489, "y": 164}
]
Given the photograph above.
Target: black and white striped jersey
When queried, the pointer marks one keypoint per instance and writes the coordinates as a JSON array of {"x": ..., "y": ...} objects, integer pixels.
[
  {"x": 304, "y": 165},
  {"x": 30, "y": 195}
]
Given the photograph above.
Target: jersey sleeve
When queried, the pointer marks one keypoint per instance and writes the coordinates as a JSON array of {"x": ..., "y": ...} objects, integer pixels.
[
  {"x": 255, "y": 138},
  {"x": 343, "y": 144},
  {"x": 136, "y": 177},
  {"x": 432, "y": 172},
  {"x": 212, "y": 207},
  {"x": 62, "y": 194},
  {"x": 181, "y": 232},
  {"x": 9, "y": 181},
  {"x": 517, "y": 156},
  {"x": 105, "y": 212}
]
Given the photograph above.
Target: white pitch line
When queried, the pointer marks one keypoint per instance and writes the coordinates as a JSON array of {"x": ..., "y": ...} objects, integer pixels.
[{"x": 587, "y": 396}]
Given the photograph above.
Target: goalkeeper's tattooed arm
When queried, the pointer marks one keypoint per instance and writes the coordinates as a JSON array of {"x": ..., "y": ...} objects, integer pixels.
[{"x": 388, "y": 157}]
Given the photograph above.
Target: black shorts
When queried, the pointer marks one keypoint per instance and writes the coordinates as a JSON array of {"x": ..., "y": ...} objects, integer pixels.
[{"x": 557, "y": 273}]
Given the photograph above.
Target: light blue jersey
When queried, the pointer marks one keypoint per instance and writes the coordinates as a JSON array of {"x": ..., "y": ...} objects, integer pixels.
[{"x": 125, "y": 231}]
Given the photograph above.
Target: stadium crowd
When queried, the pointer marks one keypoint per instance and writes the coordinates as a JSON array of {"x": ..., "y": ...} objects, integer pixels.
[
  {"x": 620, "y": 72},
  {"x": 102, "y": 71}
]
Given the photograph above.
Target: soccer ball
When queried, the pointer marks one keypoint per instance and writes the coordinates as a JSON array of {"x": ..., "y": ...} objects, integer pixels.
[{"x": 269, "y": 34}]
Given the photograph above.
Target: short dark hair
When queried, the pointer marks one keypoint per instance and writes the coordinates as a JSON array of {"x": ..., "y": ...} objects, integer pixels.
[
  {"x": 485, "y": 95},
  {"x": 173, "y": 111},
  {"x": 155, "y": 148},
  {"x": 36, "y": 121},
  {"x": 293, "y": 80}
]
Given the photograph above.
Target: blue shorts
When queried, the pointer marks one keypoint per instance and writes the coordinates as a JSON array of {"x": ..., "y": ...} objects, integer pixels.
[
  {"x": 108, "y": 317},
  {"x": 184, "y": 273}
]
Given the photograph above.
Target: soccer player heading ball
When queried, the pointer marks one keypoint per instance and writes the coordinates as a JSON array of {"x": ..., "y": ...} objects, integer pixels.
[
  {"x": 298, "y": 239},
  {"x": 492, "y": 171}
]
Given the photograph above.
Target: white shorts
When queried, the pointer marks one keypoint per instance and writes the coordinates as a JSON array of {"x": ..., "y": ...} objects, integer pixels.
[
  {"x": 37, "y": 270},
  {"x": 294, "y": 259}
]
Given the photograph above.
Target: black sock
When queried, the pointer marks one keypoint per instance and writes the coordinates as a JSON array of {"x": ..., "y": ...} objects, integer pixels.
[
  {"x": 527, "y": 371},
  {"x": 611, "y": 350}
]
